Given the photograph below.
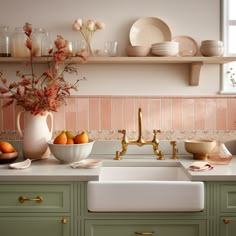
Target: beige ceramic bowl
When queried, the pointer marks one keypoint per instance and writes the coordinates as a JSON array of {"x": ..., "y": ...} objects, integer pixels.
[
  {"x": 137, "y": 51},
  {"x": 199, "y": 148},
  {"x": 211, "y": 51},
  {"x": 68, "y": 153},
  {"x": 212, "y": 43}
]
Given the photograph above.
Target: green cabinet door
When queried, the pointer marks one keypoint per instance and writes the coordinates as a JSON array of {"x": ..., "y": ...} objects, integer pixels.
[
  {"x": 227, "y": 226},
  {"x": 145, "y": 227},
  {"x": 35, "y": 226}
]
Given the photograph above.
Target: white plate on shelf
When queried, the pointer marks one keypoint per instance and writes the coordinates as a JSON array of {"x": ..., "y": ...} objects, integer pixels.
[
  {"x": 149, "y": 30},
  {"x": 187, "y": 45}
]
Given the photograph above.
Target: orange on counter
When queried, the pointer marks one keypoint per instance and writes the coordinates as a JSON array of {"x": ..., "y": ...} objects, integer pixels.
[
  {"x": 6, "y": 147},
  {"x": 81, "y": 138}
]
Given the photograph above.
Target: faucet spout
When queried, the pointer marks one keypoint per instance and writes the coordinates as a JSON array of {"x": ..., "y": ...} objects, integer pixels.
[{"x": 140, "y": 141}]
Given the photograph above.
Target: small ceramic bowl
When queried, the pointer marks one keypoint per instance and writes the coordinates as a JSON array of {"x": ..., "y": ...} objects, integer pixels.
[
  {"x": 199, "y": 148},
  {"x": 69, "y": 153},
  {"x": 211, "y": 51},
  {"x": 138, "y": 51}
]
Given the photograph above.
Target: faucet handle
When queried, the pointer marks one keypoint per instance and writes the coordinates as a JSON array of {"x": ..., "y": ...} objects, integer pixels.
[
  {"x": 117, "y": 156},
  {"x": 161, "y": 156},
  {"x": 174, "y": 149},
  {"x": 155, "y": 132}
]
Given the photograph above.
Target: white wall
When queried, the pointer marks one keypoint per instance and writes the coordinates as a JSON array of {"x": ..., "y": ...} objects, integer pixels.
[{"x": 199, "y": 19}]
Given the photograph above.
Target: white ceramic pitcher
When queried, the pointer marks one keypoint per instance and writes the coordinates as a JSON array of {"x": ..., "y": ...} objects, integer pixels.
[{"x": 36, "y": 134}]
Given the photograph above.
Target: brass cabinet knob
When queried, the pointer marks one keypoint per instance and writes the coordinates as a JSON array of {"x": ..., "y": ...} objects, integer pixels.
[
  {"x": 226, "y": 221},
  {"x": 38, "y": 199},
  {"x": 64, "y": 221},
  {"x": 144, "y": 233}
]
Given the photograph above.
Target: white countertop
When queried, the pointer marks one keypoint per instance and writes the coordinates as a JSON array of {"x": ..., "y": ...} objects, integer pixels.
[{"x": 52, "y": 170}]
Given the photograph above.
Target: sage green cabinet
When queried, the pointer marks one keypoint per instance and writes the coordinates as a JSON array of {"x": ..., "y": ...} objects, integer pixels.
[
  {"x": 145, "y": 227},
  {"x": 227, "y": 209},
  {"x": 36, "y": 209},
  {"x": 60, "y": 209},
  {"x": 35, "y": 226},
  {"x": 227, "y": 226}
]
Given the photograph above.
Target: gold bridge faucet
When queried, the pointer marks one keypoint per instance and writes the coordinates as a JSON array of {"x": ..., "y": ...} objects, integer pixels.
[{"x": 140, "y": 141}]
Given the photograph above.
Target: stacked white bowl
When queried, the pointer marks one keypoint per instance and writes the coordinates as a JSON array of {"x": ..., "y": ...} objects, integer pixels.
[
  {"x": 212, "y": 48},
  {"x": 167, "y": 48}
]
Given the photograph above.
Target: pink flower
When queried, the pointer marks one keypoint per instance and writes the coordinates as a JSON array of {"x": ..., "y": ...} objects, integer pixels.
[
  {"x": 77, "y": 25},
  {"x": 4, "y": 80},
  {"x": 28, "y": 43},
  {"x": 100, "y": 25},
  {"x": 91, "y": 25},
  {"x": 28, "y": 29},
  {"x": 60, "y": 42}
]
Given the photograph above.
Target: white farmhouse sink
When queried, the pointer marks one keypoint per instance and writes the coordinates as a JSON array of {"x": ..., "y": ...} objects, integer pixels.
[{"x": 144, "y": 189}]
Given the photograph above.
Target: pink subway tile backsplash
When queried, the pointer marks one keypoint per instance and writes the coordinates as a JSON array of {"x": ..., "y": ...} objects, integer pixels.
[
  {"x": 221, "y": 114},
  {"x": 154, "y": 114},
  {"x": 177, "y": 114},
  {"x": 116, "y": 113},
  {"x": 94, "y": 114},
  {"x": 129, "y": 114},
  {"x": 188, "y": 114},
  {"x": 108, "y": 113}
]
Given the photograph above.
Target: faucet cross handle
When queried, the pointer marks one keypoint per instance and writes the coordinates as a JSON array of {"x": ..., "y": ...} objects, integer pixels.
[
  {"x": 174, "y": 149},
  {"x": 155, "y": 132}
]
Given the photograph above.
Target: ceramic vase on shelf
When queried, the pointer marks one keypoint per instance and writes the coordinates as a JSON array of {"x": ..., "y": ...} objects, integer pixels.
[{"x": 36, "y": 134}]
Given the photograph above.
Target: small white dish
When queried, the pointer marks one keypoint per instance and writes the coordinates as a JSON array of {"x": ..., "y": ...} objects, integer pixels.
[
  {"x": 87, "y": 164},
  {"x": 20, "y": 165}
]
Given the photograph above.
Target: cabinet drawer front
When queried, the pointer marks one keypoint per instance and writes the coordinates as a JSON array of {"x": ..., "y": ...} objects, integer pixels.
[
  {"x": 228, "y": 198},
  {"x": 35, "y": 198},
  {"x": 227, "y": 226},
  {"x": 145, "y": 227},
  {"x": 35, "y": 226}
]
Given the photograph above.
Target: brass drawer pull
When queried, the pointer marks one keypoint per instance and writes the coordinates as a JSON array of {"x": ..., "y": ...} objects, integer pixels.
[
  {"x": 37, "y": 199},
  {"x": 64, "y": 221},
  {"x": 144, "y": 233},
  {"x": 226, "y": 221}
]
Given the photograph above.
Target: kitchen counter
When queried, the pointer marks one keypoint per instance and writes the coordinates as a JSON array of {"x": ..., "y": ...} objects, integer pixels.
[{"x": 51, "y": 170}]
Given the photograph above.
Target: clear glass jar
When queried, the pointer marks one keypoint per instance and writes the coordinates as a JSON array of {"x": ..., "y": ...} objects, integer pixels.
[
  {"x": 4, "y": 42},
  {"x": 37, "y": 37},
  {"x": 220, "y": 155},
  {"x": 46, "y": 44},
  {"x": 18, "y": 47}
]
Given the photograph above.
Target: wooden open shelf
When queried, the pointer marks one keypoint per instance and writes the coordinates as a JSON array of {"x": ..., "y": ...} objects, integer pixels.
[{"x": 195, "y": 63}]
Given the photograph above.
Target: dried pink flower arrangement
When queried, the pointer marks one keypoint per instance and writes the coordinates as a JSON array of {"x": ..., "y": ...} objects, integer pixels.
[{"x": 46, "y": 92}]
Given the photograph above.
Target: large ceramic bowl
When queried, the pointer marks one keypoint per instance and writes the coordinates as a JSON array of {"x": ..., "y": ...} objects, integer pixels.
[
  {"x": 68, "y": 153},
  {"x": 199, "y": 148}
]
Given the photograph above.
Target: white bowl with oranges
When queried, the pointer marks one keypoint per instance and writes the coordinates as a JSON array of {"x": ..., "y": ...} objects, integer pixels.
[{"x": 69, "y": 148}]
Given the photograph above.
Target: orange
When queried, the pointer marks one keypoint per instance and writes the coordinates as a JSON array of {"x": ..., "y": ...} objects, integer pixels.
[
  {"x": 61, "y": 138},
  {"x": 70, "y": 141},
  {"x": 6, "y": 147},
  {"x": 81, "y": 138}
]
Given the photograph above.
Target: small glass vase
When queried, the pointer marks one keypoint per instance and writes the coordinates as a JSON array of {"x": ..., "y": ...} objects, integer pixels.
[
  {"x": 89, "y": 50},
  {"x": 220, "y": 155}
]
